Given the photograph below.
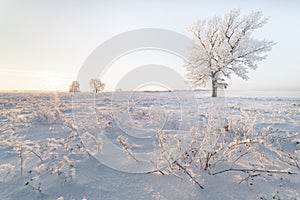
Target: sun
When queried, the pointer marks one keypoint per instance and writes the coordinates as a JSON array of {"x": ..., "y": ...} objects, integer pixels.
[{"x": 52, "y": 81}]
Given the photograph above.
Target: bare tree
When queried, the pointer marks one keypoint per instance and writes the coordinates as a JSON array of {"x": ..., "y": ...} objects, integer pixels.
[
  {"x": 222, "y": 46},
  {"x": 96, "y": 85}
]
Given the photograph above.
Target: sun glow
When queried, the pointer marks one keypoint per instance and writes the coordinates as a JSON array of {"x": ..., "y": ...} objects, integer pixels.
[{"x": 52, "y": 81}]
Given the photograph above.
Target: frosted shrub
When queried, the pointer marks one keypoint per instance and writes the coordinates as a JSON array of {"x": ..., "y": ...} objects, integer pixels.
[
  {"x": 56, "y": 158},
  {"x": 36, "y": 160},
  {"x": 47, "y": 115},
  {"x": 168, "y": 149},
  {"x": 234, "y": 146}
]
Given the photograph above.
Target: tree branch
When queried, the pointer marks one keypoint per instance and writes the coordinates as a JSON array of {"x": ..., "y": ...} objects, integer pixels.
[
  {"x": 254, "y": 170},
  {"x": 189, "y": 174}
]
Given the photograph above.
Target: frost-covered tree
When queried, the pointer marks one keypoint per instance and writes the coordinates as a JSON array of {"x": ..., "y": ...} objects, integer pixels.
[
  {"x": 96, "y": 85},
  {"x": 74, "y": 87},
  {"x": 224, "y": 46}
]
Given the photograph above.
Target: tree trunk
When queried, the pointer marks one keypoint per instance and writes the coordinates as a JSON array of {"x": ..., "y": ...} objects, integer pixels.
[{"x": 214, "y": 87}]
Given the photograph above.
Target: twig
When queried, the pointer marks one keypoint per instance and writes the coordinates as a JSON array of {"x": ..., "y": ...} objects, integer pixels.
[
  {"x": 37, "y": 155},
  {"x": 126, "y": 148},
  {"x": 21, "y": 160},
  {"x": 208, "y": 157},
  {"x": 295, "y": 161},
  {"x": 247, "y": 178},
  {"x": 193, "y": 178},
  {"x": 254, "y": 170},
  {"x": 157, "y": 169},
  {"x": 243, "y": 154},
  {"x": 230, "y": 149}
]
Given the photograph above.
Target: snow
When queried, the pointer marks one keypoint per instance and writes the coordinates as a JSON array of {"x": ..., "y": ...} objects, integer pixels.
[{"x": 88, "y": 145}]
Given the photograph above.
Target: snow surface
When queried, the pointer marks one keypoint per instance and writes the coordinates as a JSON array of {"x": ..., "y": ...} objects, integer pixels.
[{"x": 54, "y": 125}]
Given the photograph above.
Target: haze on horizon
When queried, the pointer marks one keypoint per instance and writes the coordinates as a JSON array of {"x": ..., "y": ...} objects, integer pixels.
[{"x": 44, "y": 44}]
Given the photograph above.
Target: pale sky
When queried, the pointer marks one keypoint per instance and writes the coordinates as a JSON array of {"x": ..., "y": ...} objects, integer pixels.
[{"x": 43, "y": 44}]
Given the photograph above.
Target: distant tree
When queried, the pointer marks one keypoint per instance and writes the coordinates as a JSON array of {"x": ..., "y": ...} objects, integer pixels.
[
  {"x": 96, "y": 85},
  {"x": 74, "y": 87},
  {"x": 224, "y": 46}
]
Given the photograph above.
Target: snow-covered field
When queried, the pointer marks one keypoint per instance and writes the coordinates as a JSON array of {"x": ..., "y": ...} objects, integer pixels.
[{"x": 149, "y": 145}]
